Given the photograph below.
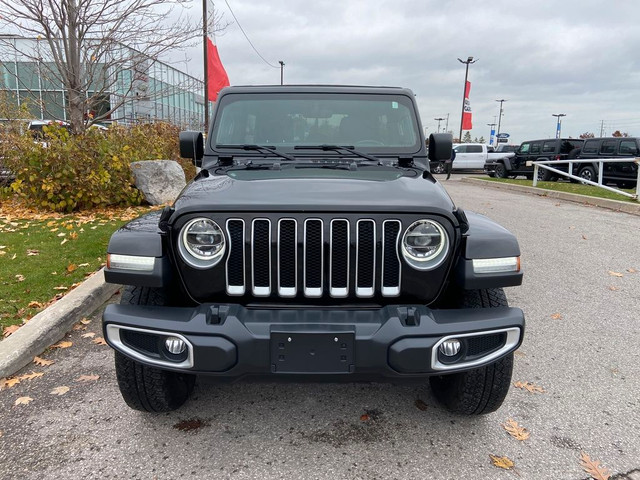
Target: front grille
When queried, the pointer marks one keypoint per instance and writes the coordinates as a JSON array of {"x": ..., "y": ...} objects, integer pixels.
[{"x": 313, "y": 257}]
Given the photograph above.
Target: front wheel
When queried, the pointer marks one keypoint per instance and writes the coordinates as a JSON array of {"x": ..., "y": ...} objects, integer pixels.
[
  {"x": 588, "y": 173},
  {"x": 483, "y": 389},
  {"x": 501, "y": 171}
]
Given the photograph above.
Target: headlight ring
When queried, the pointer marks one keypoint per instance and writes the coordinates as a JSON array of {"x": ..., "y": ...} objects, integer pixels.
[
  {"x": 425, "y": 244},
  {"x": 202, "y": 243}
]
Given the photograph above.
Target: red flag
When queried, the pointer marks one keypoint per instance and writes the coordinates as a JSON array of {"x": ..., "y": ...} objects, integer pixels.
[
  {"x": 217, "y": 76},
  {"x": 466, "y": 115}
]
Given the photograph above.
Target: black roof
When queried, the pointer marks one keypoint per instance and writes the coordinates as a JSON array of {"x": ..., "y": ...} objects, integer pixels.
[{"x": 317, "y": 89}]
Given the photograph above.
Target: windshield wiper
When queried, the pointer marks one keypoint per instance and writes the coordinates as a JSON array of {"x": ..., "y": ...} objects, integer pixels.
[
  {"x": 259, "y": 148},
  {"x": 337, "y": 148}
]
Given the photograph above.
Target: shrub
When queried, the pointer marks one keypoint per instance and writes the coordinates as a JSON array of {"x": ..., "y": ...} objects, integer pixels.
[{"x": 78, "y": 172}]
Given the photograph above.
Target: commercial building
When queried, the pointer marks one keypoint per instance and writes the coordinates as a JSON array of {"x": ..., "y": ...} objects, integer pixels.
[{"x": 132, "y": 88}]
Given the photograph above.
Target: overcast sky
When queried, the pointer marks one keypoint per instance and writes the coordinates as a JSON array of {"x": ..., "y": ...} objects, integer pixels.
[{"x": 577, "y": 57}]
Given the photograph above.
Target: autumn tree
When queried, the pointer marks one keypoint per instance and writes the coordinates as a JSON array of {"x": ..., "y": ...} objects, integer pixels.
[
  {"x": 83, "y": 45},
  {"x": 618, "y": 133},
  {"x": 587, "y": 135}
]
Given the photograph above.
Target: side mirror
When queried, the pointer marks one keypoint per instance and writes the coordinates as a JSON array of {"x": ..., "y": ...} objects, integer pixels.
[
  {"x": 192, "y": 146},
  {"x": 440, "y": 145}
]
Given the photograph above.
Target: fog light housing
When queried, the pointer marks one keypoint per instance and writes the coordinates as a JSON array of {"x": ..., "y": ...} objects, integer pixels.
[
  {"x": 450, "y": 348},
  {"x": 175, "y": 345}
]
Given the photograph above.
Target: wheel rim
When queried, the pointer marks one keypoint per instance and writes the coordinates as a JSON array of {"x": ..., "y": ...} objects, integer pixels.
[{"x": 500, "y": 170}]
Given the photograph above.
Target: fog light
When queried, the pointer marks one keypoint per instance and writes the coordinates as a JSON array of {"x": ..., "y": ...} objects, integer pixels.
[
  {"x": 175, "y": 345},
  {"x": 450, "y": 348}
]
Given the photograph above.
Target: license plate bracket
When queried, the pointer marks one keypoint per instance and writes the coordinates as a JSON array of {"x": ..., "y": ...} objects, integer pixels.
[{"x": 313, "y": 353}]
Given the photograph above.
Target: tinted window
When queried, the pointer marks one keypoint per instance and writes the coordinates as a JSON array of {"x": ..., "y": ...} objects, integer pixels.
[
  {"x": 535, "y": 148},
  {"x": 524, "y": 148},
  {"x": 474, "y": 148},
  {"x": 590, "y": 146},
  {"x": 461, "y": 149},
  {"x": 548, "y": 147},
  {"x": 566, "y": 146},
  {"x": 608, "y": 147},
  {"x": 628, "y": 147}
]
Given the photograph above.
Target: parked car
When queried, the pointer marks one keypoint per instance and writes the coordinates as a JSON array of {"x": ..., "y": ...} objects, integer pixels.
[
  {"x": 533, "y": 150},
  {"x": 291, "y": 259},
  {"x": 625, "y": 175},
  {"x": 471, "y": 156}
]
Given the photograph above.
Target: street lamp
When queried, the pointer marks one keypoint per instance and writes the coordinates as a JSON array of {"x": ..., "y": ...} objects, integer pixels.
[
  {"x": 559, "y": 123},
  {"x": 281, "y": 72},
  {"x": 439, "y": 120},
  {"x": 464, "y": 90},
  {"x": 502, "y": 100}
]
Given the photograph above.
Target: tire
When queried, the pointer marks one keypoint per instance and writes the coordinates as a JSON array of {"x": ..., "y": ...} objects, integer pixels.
[
  {"x": 491, "y": 174},
  {"x": 500, "y": 170},
  {"x": 483, "y": 390},
  {"x": 545, "y": 175},
  {"x": 146, "y": 388},
  {"x": 439, "y": 168},
  {"x": 588, "y": 173}
]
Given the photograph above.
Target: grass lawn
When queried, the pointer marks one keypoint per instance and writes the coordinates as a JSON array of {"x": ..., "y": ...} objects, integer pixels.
[
  {"x": 578, "y": 188},
  {"x": 42, "y": 258}
]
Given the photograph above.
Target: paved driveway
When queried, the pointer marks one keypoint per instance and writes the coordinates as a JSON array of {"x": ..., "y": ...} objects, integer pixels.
[{"x": 582, "y": 346}]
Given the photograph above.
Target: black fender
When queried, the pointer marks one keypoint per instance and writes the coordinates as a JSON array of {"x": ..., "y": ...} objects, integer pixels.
[
  {"x": 506, "y": 161},
  {"x": 141, "y": 237},
  {"x": 486, "y": 239}
]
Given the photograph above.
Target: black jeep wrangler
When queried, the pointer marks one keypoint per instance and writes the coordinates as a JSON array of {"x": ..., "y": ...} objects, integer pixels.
[{"x": 314, "y": 243}]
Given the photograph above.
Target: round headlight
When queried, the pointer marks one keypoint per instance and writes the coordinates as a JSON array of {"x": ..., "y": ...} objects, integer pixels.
[
  {"x": 425, "y": 244},
  {"x": 202, "y": 243}
]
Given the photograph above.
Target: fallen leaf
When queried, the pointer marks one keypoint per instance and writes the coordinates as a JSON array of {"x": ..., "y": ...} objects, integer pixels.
[
  {"x": 530, "y": 387},
  {"x": 364, "y": 417},
  {"x": 62, "y": 234},
  {"x": 31, "y": 253},
  {"x": 9, "y": 382},
  {"x": 502, "y": 462},
  {"x": 87, "y": 378},
  {"x": 23, "y": 401},
  {"x": 63, "y": 344},
  {"x": 59, "y": 390},
  {"x": 83, "y": 265},
  {"x": 613, "y": 288},
  {"x": 420, "y": 405},
  {"x": 632, "y": 270},
  {"x": 6, "y": 331},
  {"x": 30, "y": 376},
  {"x": 615, "y": 274},
  {"x": 593, "y": 467},
  {"x": 557, "y": 316},
  {"x": 34, "y": 304},
  {"x": 64, "y": 241},
  {"x": 516, "y": 431},
  {"x": 190, "y": 425},
  {"x": 20, "y": 278},
  {"x": 99, "y": 341},
  {"x": 85, "y": 321},
  {"x": 61, "y": 287},
  {"x": 73, "y": 235},
  {"x": 42, "y": 362},
  {"x": 520, "y": 353},
  {"x": 71, "y": 268},
  {"x": 88, "y": 335},
  {"x": 2, "y": 252}
]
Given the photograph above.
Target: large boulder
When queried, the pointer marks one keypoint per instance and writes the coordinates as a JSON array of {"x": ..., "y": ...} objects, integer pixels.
[{"x": 160, "y": 181}]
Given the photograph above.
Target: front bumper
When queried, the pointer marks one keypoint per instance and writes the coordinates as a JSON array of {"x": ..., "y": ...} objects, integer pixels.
[{"x": 392, "y": 341}]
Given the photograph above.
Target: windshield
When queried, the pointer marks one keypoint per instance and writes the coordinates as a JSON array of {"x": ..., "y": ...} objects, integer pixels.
[{"x": 376, "y": 123}]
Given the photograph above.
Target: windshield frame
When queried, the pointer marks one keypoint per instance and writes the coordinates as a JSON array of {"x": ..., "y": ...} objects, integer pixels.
[{"x": 376, "y": 150}]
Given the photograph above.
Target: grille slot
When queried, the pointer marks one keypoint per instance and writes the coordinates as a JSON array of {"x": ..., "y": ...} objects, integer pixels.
[
  {"x": 339, "y": 248},
  {"x": 313, "y": 258},
  {"x": 390, "y": 260},
  {"x": 366, "y": 258},
  {"x": 235, "y": 261},
  {"x": 287, "y": 257},
  {"x": 261, "y": 257}
]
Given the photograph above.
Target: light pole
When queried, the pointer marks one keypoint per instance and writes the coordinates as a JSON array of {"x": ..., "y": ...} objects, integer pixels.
[
  {"x": 559, "y": 123},
  {"x": 464, "y": 90},
  {"x": 492, "y": 125},
  {"x": 439, "y": 119},
  {"x": 502, "y": 100},
  {"x": 281, "y": 72}
]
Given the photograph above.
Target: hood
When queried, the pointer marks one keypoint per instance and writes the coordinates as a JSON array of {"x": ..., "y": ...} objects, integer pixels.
[{"x": 402, "y": 195}]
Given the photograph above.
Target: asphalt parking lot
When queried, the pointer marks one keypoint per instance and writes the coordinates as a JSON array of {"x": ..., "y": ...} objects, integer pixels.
[{"x": 581, "y": 298}]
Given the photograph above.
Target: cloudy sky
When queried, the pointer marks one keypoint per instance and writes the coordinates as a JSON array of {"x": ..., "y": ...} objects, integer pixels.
[{"x": 577, "y": 57}]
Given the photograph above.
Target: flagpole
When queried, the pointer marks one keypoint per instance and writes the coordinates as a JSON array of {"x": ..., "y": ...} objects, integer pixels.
[
  {"x": 206, "y": 69},
  {"x": 464, "y": 91}
]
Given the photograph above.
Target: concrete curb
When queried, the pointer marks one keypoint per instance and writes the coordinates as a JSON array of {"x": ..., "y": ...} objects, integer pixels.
[
  {"x": 50, "y": 325},
  {"x": 618, "y": 206}
]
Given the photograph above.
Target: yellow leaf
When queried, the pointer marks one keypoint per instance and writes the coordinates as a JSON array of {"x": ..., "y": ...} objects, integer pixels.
[
  {"x": 516, "y": 431},
  {"x": 42, "y": 362},
  {"x": 9, "y": 382},
  {"x": 30, "y": 376},
  {"x": 20, "y": 278},
  {"x": 31, "y": 253},
  {"x": 34, "y": 304},
  {"x": 615, "y": 274},
  {"x": 88, "y": 335},
  {"x": 62, "y": 345},
  {"x": 502, "y": 462},
  {"x": 73, "y": 235},
  {"x": 61, "y": 287},
  {"x": 529, "y": 387},
  {"x": 59, "y": 390},
  {"x": 71, "y": 268},
  {"x": 87, "y": 378},
  {"x": 99, "y": 341},
  {"x": 62, "y": 234},
  {"x": 23, "y": 401},
  {"x": 85, "y": 321},
  {"x": 593, "y": 467},
  {"x": 632, "y": 270},
  {"x": 557, "y": 316}
]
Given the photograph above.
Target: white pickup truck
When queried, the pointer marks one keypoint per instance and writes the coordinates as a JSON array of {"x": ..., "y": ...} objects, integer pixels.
[{"x": 472, "y": 156}]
